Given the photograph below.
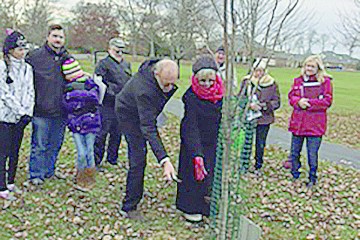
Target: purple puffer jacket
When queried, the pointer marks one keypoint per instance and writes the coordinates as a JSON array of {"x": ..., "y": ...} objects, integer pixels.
[{"x": 82, "y": 109}]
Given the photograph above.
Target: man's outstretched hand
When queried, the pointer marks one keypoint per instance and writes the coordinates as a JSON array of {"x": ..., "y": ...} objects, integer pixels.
[{"x": 169, "y": 172}]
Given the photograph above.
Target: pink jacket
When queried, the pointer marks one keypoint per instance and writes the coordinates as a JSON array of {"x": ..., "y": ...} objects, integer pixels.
[{"x": 310, "y": 121}]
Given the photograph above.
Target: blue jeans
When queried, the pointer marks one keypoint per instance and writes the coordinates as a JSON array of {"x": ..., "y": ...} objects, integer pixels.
[
  {"x": 46, "y": 140},
  {"x": 312, "y": 145},
  {"x": 85, "y": 149}
]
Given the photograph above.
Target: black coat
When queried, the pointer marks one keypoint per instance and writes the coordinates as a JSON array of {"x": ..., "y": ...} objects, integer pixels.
[
  {"x": 138, "y": 105},
  {"x": 114, "y": 75},
  {"x": 198, "y": 131},
  {"x": 49, "y": 81}
]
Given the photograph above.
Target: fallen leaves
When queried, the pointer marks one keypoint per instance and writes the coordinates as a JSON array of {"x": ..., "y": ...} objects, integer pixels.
[{"x": 58, "y": 211}]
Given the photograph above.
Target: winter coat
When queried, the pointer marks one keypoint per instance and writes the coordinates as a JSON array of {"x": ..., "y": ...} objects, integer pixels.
[
  {"x": 49, "y": 81},
  {"x": 17, "y": 96},
  {"x": 268, "y": 95},
  {"x": 81, "y": 105},
  {"x": 198, "y": 132},
  {"x": 312, "y": 120},
  {"x": 114, "y": 75},
  {"x": 138, "y": 105}
]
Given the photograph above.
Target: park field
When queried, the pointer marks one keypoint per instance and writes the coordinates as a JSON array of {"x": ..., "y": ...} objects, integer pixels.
[
  {"x": 346, "y": 84},
  {"x": 343, "y": 116},
  {"x": 282, "y": 209}
]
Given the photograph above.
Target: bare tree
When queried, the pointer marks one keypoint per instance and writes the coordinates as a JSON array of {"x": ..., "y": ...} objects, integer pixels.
[
  {"x": 245, "y": 23},
  {"x": 349, "y": 30},
  {"x": 144, "y": 21},
  {"x": 334, "y": 45},
  {"x": 93, "y": 25},
  {"x": 10, "y": 15},
  {"x": 324, "y": 38},
  {"x": 36, "y": 17},
  {"x": 312, "y": 39},
  {"x": 194, "y": 22},
  {"x": 132, "y": 21},
  {"x": 263, "y": 24}
]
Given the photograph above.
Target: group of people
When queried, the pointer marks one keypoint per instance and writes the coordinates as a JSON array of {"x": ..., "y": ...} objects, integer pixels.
[{"x": 49, "y": 88}]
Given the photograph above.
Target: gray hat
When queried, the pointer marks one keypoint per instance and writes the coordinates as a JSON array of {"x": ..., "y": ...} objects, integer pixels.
[
  {"x": 117, "y": 42},
  {"x": 204, "y": 62}
]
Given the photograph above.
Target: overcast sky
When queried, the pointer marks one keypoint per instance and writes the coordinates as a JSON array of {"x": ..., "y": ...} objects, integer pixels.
[{"x": 326, "y": 12}]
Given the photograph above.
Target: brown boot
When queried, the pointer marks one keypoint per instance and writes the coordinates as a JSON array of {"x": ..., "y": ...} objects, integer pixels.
[
  {"x": 90, "y": 176},
  {"x": 81, "y": 181}
]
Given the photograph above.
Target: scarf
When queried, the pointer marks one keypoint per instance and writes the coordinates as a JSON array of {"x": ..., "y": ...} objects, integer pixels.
[
  {"x": 212, "y": 94},
  {"x": 264, "y": 81}
]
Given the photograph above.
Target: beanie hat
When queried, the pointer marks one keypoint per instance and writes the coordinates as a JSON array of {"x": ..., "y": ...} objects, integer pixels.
[
  {"x": 13, "y": 40},
  {"x": 72, "y": 71},
  {"x": 220, "y": 49},
  {"x": 259, "y": 64},
  {"x": 204, "y": 62},
  {"x": 117, "y": 42}
]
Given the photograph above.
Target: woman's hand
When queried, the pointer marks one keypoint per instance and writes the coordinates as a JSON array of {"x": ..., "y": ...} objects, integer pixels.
[
  {"x": 304, "y": 103},
  {"x": 199, "y": 169}
]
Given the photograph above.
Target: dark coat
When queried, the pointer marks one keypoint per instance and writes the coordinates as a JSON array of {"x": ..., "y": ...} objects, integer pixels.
[
  {"x": 198, "y": 131},
  {"x": 269, "y": 97},
  {"x": 138, "y": 105},
  {"x": 114, "y": 75},
  {"x": 49, "y": 81},
  {"x": 81, "y": 105}
]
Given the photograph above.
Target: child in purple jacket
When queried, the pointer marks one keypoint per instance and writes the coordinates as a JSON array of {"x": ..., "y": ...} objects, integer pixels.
[{"x": 81, "y": 101}]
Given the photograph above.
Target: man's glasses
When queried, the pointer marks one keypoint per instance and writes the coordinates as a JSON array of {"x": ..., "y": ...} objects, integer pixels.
[{"x": 119, "y": 51}]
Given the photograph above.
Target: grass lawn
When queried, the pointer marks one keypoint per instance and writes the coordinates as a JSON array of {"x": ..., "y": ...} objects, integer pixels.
[
  {"x": 282, "y": 209},
  {"x": 343, "y": 123}
]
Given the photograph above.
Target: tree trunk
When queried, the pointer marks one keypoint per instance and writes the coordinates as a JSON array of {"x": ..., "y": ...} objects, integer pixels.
[
  {"x": 133, "y": 49},
  {"x": 152, "y": 48}
]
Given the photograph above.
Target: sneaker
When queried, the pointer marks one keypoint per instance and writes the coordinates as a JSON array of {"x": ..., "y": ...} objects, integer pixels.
[
  {"x": 36, "y": 181},
  {"x": 6, "y": 195},
  {"x": 14, "y": 189},
  {"x": 135, "y": 215},
  {"x": 193, "y": 217}
]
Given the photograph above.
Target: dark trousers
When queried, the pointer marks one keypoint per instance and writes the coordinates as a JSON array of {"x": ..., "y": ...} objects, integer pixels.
[
  {"x": 135, "y": 179},
  {"x": 261, "y": 135},
  {"x": 11, "y": 136},
  {"x": 109, "y": 127},
  {"x": 312, "y": 145}
]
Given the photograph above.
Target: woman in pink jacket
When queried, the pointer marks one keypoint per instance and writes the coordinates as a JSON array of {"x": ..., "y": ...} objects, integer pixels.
[{"x": 310, "y": 96}]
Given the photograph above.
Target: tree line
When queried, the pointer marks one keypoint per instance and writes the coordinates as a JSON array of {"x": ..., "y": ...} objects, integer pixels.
[{"x": 175, "y": 28}]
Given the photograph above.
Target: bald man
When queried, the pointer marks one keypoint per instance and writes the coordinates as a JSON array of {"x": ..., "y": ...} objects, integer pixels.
[{"x": 137, "y": 107}]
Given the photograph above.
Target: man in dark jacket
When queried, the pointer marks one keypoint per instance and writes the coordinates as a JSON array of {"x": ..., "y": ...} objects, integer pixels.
[
  {"x": 48, "y": 122},
  {"x": 137, "y": 108},
  {"x": 115, "y": 72}
]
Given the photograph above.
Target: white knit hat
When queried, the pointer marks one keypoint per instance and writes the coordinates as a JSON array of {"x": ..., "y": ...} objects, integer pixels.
[{"x": 260, "y": 63}]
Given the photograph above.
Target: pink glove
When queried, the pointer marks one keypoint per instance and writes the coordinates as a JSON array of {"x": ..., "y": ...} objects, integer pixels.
[{"x": 199, "y": 169}]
